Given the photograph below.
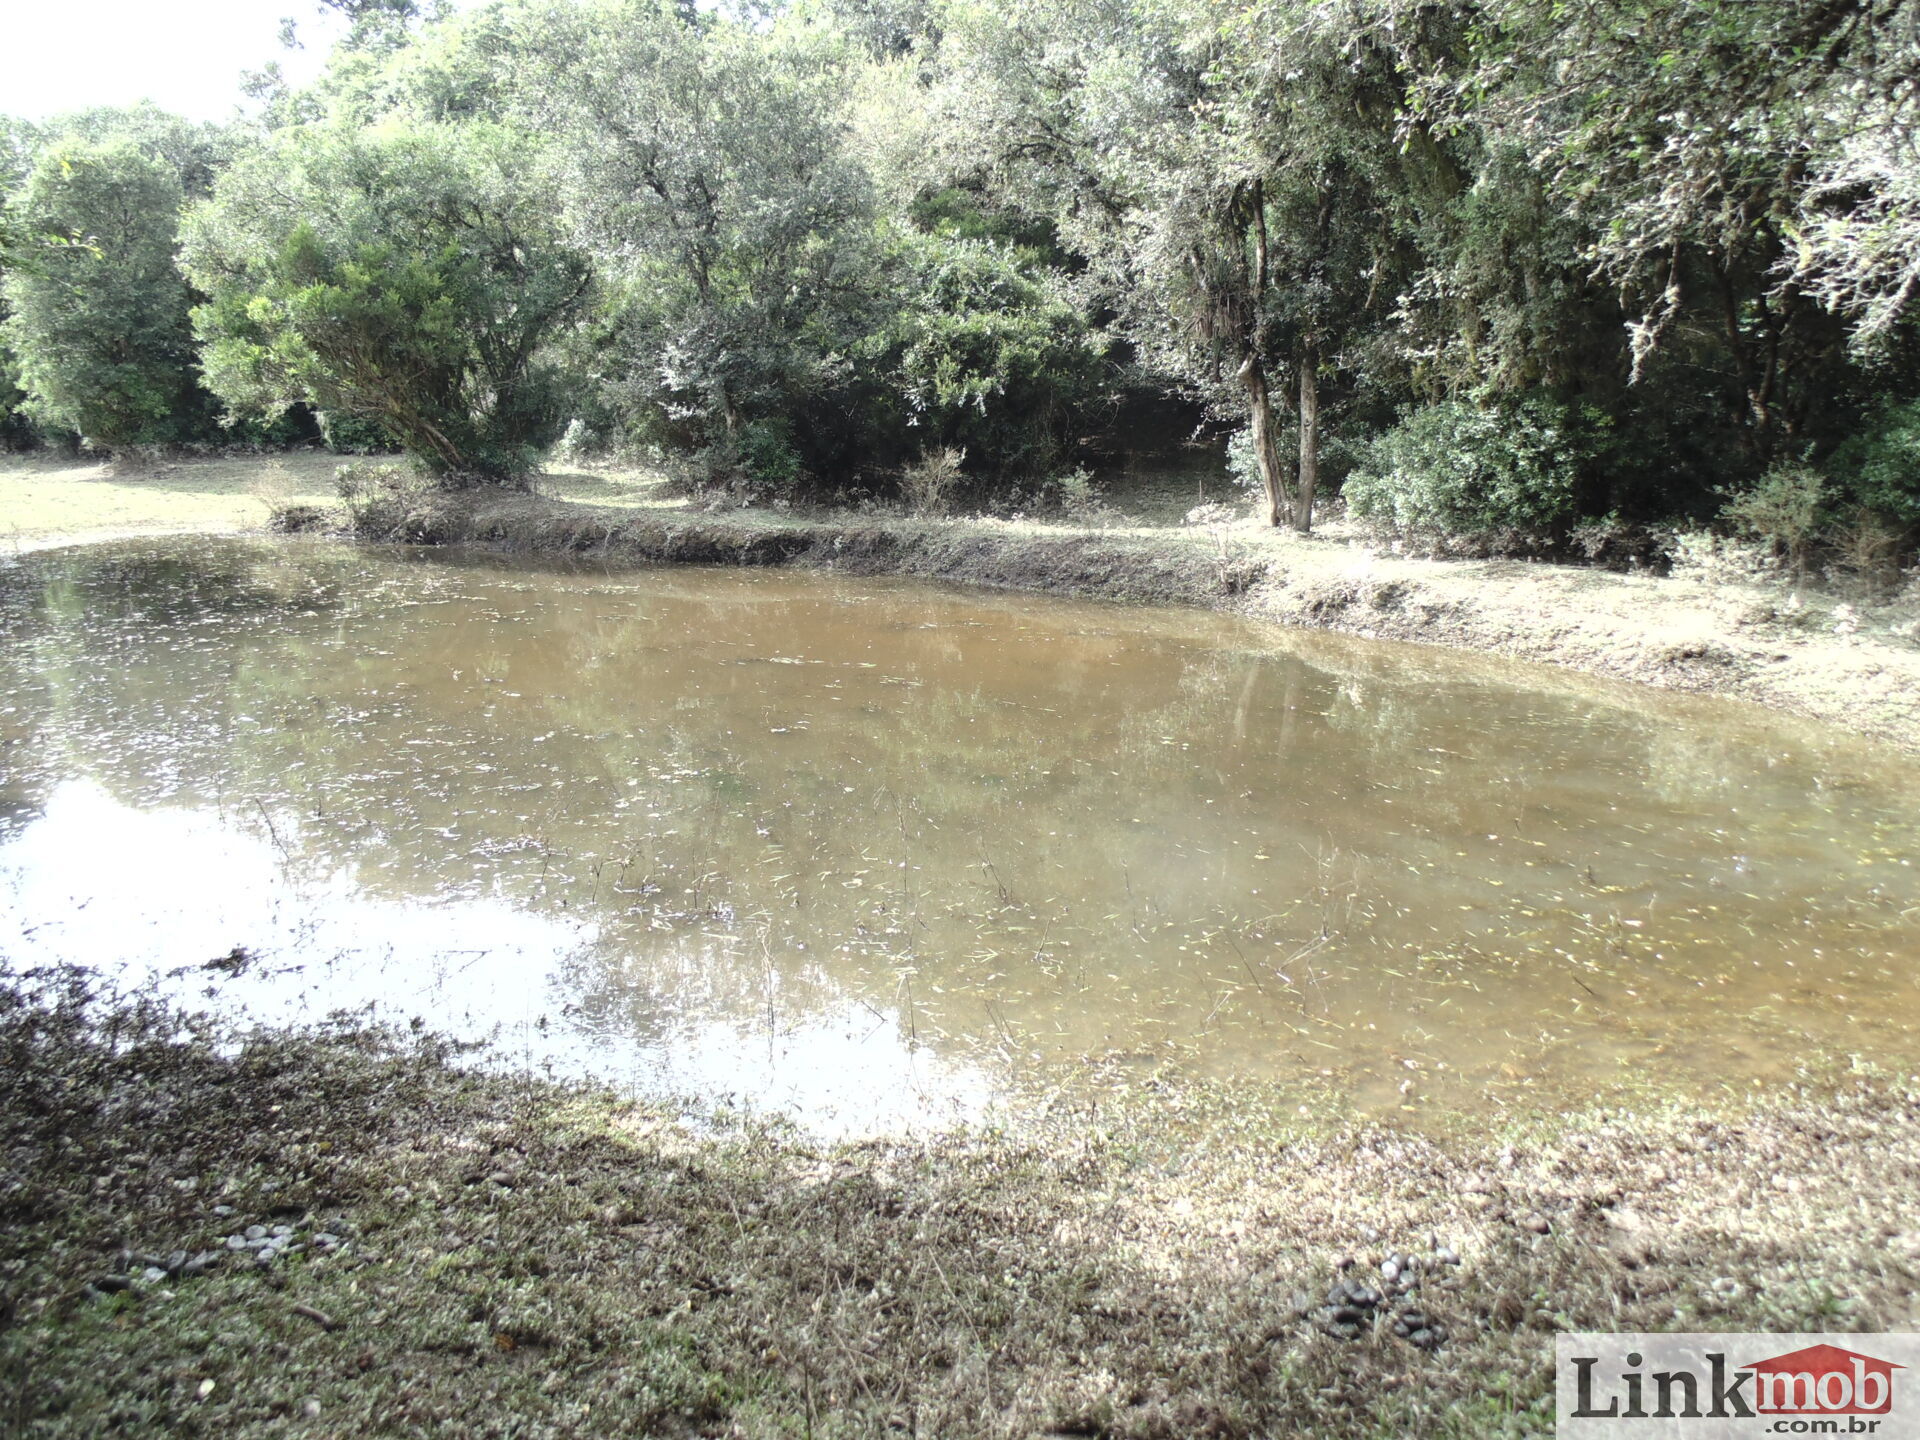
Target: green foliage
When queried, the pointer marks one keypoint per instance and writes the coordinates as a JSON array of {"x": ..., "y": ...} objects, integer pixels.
[
  {"x": 345, "y": 433},
  {"x": 825, "y": 239},
  {"x": 705, "y": 161},
  {"x": 1340, "y": 454},
  {"x": 98, "y": 323},
  {"x": 1880, "y": 465},
  {"x": 987, "y": 356},
  {"x": 1739, "y": 172},
  {"x": 15, "y": 428},
  {"x": 15, "y": 160},
  {"x": 410, "y": 277},
  {"x": 1786, "y": 508},
  {"x": 768, "y": 455},
  {"x": 1459, "y": 471}
]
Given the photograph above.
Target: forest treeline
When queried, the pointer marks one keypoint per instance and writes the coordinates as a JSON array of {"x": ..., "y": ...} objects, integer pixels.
[{"x": 1485, "y": 269}]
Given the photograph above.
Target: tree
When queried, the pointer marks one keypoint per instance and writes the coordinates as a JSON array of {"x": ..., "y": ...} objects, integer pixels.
[
  {"x": 99, "y": 311},
  {"x": 15, "y": 161},
  {"x": 1743, "y": 170},
  {"x": 987, "y": 352},
  {"x": 409, "y": 275},
  {"x": 1230, "y": 176},
  {"x": 706, "y": 161}
]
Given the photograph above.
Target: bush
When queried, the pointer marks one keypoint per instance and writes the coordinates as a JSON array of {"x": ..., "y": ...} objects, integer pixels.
[
  {"x": 987, "y": 353},
  {"x": 1620, "y": 544},
  {"x": 383, "y": 501},
  {"x": 1782, "y": 510},
  {"x": 411, "y": 275},
  {"x": 293, "y": 518},
  {"x": 1865, "y": 555},
  {"x": 347, "y": 434},
  {"x": 1880, "y": 466},
  {"x": 99, "y": 327},
  {"x": 928, "y": 485},
  {"x": 1079, "y": 494},
  {"x": 1454, "y": 471},
  {"x": 769, "y": 458}
]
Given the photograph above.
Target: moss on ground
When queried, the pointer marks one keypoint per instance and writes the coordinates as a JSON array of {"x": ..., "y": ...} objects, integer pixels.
[{"x": 515, "y": 1257}]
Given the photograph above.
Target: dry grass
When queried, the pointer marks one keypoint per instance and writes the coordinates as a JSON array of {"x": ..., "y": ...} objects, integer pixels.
[
  {"x": 48, "y": 501},
  {"x": 531, "y": 1260}
]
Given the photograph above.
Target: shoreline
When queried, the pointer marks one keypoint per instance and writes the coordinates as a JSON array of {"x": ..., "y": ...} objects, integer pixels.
[
  {"x": 1811, "y": 657},
  {"x": 1805, "y": 653},
  {"x": 455, "y": 1248},
  {"x": 320, "y": 1231}
]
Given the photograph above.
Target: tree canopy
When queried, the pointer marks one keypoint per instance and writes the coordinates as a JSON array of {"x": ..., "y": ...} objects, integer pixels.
[
  {"x": 800, "y": 246},
  {"x": 403, "y": 274}
]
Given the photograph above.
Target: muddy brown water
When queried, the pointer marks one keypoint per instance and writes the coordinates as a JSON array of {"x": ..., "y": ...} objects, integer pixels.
[{"x": 881, "y": 855}]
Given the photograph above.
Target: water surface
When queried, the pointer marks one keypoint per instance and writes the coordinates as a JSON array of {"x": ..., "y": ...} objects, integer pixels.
[{"x": 880, "y": 854}]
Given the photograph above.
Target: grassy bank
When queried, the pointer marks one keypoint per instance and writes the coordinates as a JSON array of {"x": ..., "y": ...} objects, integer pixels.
[{"x": 451, "y": 1251}]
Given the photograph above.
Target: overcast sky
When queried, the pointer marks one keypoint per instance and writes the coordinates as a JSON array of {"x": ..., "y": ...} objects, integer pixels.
[{"x": 184, "y": 55}]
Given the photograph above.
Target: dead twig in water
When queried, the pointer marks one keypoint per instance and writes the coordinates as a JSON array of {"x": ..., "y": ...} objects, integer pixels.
[{"x": 285, "y": 858}]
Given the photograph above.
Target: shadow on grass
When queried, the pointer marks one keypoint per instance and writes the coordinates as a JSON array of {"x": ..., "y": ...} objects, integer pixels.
[{"x": 489, "y": 1254}]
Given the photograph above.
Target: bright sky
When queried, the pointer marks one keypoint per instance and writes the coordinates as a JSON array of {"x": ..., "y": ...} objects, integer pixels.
[{"x": 184, "y": 55}]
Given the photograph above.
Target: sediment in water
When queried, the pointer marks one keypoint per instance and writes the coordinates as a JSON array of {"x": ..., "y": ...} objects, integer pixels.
[{"x": 1680, "y": 636}]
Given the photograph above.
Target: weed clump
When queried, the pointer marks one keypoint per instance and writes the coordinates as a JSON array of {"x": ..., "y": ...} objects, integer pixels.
[
  {"x": 930, "y": 484},
  {"x": 384, "y": 501}
]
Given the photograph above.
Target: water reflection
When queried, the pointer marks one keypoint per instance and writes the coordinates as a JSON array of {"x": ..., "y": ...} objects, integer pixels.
[
  {"x": 877, "y": 853},
  {"x": 143, "y": 895}
]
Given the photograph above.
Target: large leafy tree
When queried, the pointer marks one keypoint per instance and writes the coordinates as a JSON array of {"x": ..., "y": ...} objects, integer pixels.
[
  {"x": 705, "y": 161},
  {"x": 409, "y": 275},
  {"x": 15, "y": 161},
  {"x": 98, "y": 321},
  {"x": 1743, "y": 172},
  {"x": 1232, "y": 178}
]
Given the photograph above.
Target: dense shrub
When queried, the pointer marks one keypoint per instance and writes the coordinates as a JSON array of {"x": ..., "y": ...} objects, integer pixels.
[
  {"x": 99, "y": 321},
  {"x": 769, "y": 459},
  {"x": 16, "y": 429},
  {"x": 345, "y": 433},
  {"x": 1785, "y": 509},
  {"x": 1880, "y": 466},
  {"x": 406, "y": 275},
  {"x": 1455, "y": 471},
  {"x": 987, "y": 356}
]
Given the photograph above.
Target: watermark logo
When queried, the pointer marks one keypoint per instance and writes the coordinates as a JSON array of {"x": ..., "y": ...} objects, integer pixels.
[{"x": 1705, "y": 1387}]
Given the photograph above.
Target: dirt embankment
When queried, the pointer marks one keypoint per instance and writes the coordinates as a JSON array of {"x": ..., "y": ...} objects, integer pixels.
[
  {"x": 1805, "y": 654},
  {"x": 342, "y": 1232}
]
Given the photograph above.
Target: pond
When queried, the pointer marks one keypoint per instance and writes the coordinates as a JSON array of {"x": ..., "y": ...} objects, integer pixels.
[{"x": 881, "y": 855}]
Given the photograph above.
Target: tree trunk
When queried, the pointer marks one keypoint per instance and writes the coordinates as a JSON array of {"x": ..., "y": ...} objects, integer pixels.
[
  {"x": 1309, "y": 441},
  {"x": 1266, "y": 446}
]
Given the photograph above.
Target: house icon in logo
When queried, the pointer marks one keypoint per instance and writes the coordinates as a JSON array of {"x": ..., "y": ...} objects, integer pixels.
[{"x": 1823, "y": 1380}]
